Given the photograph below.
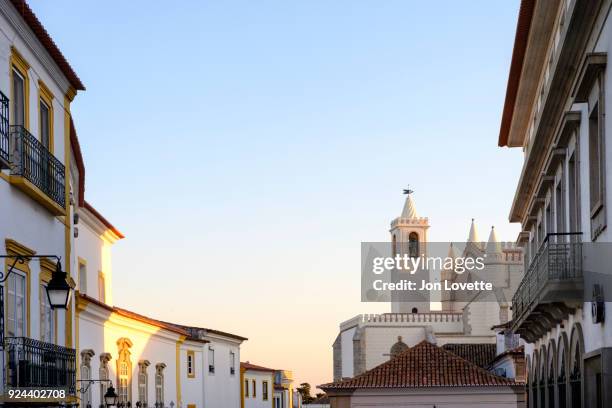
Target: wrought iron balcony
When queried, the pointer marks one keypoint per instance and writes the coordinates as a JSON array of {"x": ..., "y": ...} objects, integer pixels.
[
  {"x": 551, "y": 287},
  {"x": 4, "y": 132},
  {"x": 33, "y": 363},
  {"x": 32, "y": 161}
]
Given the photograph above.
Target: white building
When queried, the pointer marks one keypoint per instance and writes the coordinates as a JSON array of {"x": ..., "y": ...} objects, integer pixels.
[
  {"x": 365, "y": 341},
  {"x": 37, "y": 86},
  {"x": 148, "y": 361},
  {"x": 257, "y": 386},
  {"x": 557, "y": 110}
]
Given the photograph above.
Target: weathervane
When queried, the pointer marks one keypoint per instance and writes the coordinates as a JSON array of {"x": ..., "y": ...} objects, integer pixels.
[{"x": 408, "y": 190}]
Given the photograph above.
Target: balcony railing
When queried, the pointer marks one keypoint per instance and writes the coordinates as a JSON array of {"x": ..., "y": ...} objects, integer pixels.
[
  {"x": 4, "y": 132},
  {"x": 33, "y": 363},
  {"x": 554, "y": 275},
  {"x": 31, "y": 160}
]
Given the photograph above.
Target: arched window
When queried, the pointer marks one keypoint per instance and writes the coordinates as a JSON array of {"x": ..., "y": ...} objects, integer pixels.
[
  {"x": 104, "y": 375},
  {"x": 86, "y": 356},
  {"x": 394, "y": 250},
  {"x": 415, "y": 310},
  {"x": 542, "y": 378},
  {"x": 576, "y": 367},
  {"x": 124, "y": 370},
  {"x": 413, "y": 245},
  {"x": 159, "y": 384},
  {"x": 550, "y": 382},
  {"x": 529, "y": 376},
  {"x": 534, "y": 379},
  {"x": 561, "y": 372},
  {"x": 143, "y": 382}
]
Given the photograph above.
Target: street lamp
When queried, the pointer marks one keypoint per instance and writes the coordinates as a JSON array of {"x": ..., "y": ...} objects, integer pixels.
[
  {"x": 110, "y": 398},
  {"x": 58, "y": 290}
]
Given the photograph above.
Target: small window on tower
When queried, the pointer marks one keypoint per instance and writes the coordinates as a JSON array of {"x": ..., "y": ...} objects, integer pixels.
[{"x": 413, "y": 245}]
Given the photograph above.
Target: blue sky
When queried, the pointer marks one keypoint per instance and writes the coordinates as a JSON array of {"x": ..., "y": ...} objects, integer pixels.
[{"x": 246, "y": 148}]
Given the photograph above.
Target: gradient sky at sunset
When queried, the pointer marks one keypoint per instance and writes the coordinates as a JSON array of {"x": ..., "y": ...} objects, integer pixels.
[{"x": 246, "y": 148}]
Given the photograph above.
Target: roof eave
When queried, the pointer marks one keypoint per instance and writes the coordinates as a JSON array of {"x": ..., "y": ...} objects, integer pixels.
[{"x": 516, "y": 66}]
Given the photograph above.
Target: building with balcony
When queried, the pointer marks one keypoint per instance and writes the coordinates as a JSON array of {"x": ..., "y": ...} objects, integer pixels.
[
  {"x": 452, "y": 319},
  {"x": 93, "y": 343},
  {"x": 556, "y": 110},
  {"x": 37, "y": 86}
]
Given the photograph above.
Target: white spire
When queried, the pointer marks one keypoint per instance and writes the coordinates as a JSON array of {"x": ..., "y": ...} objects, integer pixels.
[
  {"x": 473, "y": 237},
  {"x": 493, "y": 245},
  {"x": 409, "y": 210}
]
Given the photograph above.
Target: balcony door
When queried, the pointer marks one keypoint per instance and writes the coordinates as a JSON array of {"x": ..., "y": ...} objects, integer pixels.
[
  {"x": 16, "y": 305},
  {"x": 18, "y": 102}
]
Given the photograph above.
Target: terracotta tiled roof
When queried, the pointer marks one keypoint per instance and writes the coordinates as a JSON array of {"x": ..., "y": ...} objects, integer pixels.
[
  {"x": 479, "y": 353},
  {"x": 45, "y": 39},
  {"x": 135, "y": 316},
  {"x": 252, "y": 367},
  {"x": 422, "y": 366}
]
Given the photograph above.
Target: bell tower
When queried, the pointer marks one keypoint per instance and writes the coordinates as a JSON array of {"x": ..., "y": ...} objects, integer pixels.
[{"x": 409, "y": 236}]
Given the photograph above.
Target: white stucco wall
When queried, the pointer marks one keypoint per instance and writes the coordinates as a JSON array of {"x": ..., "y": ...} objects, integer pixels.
[
  {"x": 221, "y": 388},
  {"x": 99, "y": 330},
  {"x": 259, "y": 377}
]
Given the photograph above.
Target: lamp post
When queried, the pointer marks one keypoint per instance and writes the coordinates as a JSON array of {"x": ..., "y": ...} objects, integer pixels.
[
  {"x": 110, "y": 397},
  {"x": 58, "y": 290}
]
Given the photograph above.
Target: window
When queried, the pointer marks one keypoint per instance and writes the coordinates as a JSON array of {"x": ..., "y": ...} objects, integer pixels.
[
  {"x": 211, "y": 360},
  {"x": 86, "y": 356},
  {"x": 101, "y": 287},
  {"x": 246, "y": 388},
  {"x": 559, "y": 208},
  {"x": 124, "y": 370},
  {"x": 19, "y": 98},
  {"x": 264, "y": 390},
  {"x": 574, "y": 193},
  {"x": 190, "y": 364},
  {"x": 143, "y": 382},
  {"x": 16, "y": 305},
  {"x": 104, "y": 375},
  {"x": 413, "y": 245},
  {"x": 254, "y": 388},
  {"x": 159, "y": 384},
  {"x": 82, "y": 276},
  {"x": 45, "y": 124},
  {"x": 597, "y": 164},
  {"x": 232, "y": 356},
  {"x": 548, "y": 218},
  {"x": 47, "y": 317}
]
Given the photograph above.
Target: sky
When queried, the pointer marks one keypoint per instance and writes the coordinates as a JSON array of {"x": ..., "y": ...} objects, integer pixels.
[{"x": 246, "y": 149}]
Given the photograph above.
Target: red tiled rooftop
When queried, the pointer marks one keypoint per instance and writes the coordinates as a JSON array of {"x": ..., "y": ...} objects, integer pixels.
[
  {"x": 480, "y": 354},
  {"x": 45, "y": 39},
  {"x": 424, "y": 365},
  {"x": 253, "y": 367}
]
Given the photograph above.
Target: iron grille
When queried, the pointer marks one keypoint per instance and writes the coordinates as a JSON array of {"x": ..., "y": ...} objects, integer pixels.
[
  {"x": 559, "y": 258},
  {"x": 33, "y": 363},
  {"x": 33, "y": 161},
  {"x": 4, "y": 131}
]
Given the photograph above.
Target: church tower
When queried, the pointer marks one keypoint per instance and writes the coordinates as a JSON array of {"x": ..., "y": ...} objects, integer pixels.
[{"x": 409, "y": 236}]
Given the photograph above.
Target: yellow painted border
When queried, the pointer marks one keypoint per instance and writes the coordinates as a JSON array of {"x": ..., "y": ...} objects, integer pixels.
[
  {"x": 191, "y": 353},
  {"x": 265, "y": 396},
  {"x": 47, "y": 267},
  {"x": 68, "y": 224},
  {"x": 102, "y": 277},
  {"x": 180, "y": 341},
  {"x": 45, "y": 95},
  {"x": 241, "y": 387},
  {"x": 17, "y": 62}
]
